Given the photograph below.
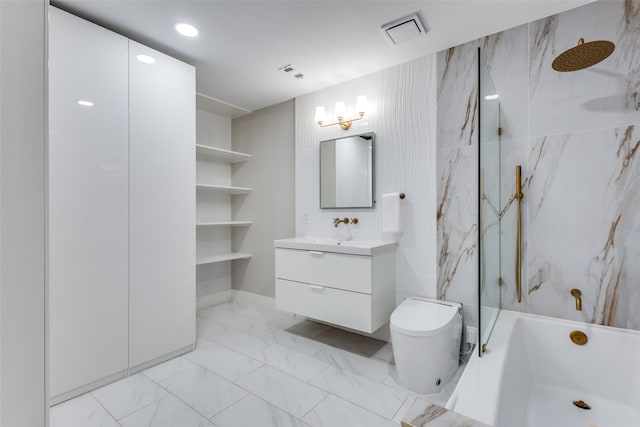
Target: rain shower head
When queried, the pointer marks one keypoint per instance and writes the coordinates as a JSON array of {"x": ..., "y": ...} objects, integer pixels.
[{"x": 583, "y": 55}]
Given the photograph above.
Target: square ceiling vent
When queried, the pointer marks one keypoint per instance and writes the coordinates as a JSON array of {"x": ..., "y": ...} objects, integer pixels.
[{"x": 404, "y": 29}]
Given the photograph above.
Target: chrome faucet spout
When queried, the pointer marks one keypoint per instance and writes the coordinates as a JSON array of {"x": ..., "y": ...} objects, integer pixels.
[{"x": 577, "y": 294}]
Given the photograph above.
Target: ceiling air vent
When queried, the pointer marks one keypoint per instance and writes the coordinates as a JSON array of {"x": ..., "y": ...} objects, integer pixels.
[{"x": 404, "y": 29}]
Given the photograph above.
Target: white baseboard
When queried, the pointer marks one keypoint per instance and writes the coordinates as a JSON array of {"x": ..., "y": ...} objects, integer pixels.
[{"x": 215, "y": 298}]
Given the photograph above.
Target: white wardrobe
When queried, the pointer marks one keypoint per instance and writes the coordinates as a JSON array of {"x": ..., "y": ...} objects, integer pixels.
[{"x": 121, "y": 206}]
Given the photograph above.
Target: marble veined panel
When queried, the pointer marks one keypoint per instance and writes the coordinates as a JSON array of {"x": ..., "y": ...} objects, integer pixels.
[
  {"x": 458, "y": 95},
  {"x": 606, "y": 95},
  {"x": 584, "y": 230},
  {"x": 457, "y": 222}
]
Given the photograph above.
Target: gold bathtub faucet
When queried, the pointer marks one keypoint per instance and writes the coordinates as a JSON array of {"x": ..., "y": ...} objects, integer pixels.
[{"x": 577, "y": 294}]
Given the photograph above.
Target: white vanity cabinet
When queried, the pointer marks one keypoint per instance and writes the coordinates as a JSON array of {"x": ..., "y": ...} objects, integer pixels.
[{"x": 343, "y": 283}]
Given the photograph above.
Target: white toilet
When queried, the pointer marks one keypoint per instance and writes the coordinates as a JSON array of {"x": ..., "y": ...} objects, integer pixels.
[{"x": 425, "y": 335}]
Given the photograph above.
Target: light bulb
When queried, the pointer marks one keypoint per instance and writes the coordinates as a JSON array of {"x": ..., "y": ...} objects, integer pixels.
[
  {"x": 320, "y": 115},
  {"x": 340, "y": 110}
]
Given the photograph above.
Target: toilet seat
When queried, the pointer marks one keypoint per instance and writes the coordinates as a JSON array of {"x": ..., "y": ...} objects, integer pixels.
[{"x": 412, "y": 318}]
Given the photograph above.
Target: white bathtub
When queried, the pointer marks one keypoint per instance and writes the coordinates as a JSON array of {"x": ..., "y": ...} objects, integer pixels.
[{"x": 532, "y": 372}]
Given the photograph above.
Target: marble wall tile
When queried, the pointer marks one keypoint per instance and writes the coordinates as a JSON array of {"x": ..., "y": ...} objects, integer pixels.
[
  {"x": 604, "y": 96},
  {"x": 457, "y": 224},
  {"x": 457, "y": 96},
  {"x": 584, "y": 226},
  {"x": 574, "y": 135},
  {"x": 512, "y": 154}
]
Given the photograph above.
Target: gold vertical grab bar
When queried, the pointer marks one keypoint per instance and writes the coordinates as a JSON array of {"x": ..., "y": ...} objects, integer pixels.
[{"x": 518, "y": 196}]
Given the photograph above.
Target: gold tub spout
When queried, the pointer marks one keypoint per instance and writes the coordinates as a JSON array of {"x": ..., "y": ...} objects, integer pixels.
[{"x": 577, "y": 294}]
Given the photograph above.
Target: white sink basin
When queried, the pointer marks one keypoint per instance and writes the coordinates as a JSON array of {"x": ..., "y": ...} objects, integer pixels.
[{"x": 320, "y": 244}]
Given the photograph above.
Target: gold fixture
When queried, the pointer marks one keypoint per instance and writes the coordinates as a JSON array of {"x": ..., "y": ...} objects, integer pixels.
[
  {"x": 578, "y": 337},
  {"x": 484, "y": 348},
  {"x": 340, "y": 113},
  {"x": 577, "y": 294},
  {"x": 402, "y": 196},
  {"x": 337, "y": 221},
  {"x": 582, "y": 404},
  {"x": 583, "y": 55},
  {"x": 518, "y": 196},
  {"x": 353, "y": 221}
]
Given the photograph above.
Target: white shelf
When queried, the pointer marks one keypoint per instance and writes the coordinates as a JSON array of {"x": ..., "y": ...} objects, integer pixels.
[
  {"x": 222, "y": 189},
  {"x": 222, "y": 258},
  {"x": 219, "y": 107},
  {"x": 231, "y": 223},
  {"x": 205, "y": 151}
]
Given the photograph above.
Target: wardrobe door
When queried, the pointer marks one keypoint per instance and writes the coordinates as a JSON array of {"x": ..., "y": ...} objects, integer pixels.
[
  {"x": 88, "y": 204},
  {"x": 161, "y": 205}
]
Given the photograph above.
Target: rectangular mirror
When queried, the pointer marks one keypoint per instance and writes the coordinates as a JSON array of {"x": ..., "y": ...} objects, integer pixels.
[{"x": 346, "y": 172}]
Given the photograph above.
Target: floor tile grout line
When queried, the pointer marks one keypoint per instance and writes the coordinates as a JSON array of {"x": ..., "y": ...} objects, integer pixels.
[
  {"x": 187, "y": 404},
  {"x": 101, "y": 405},
  {"x": 139, "y": 409},
  {"x": 362, "y": 407},
  {"x": 316, "y": 405}
]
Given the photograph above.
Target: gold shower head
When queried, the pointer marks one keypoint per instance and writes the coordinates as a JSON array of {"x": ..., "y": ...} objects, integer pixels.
[{"x": 584, "y": 55}]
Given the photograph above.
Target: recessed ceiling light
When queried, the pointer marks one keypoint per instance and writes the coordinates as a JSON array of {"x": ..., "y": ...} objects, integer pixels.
[
  {"x": 186, "y": 30},
  {"x": 146, "y": 59},
  {"x": 85, "y": 103}
]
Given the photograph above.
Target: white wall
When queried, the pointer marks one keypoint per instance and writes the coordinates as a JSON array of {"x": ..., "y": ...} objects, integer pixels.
[
  {"x": 22, "y": 213},
  {"x": 267, "y": 135},
  {"x": 402, "y": 113}
]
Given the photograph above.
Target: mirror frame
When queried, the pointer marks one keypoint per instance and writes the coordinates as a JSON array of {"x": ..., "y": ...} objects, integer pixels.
[{"x": 373, "y": 173}]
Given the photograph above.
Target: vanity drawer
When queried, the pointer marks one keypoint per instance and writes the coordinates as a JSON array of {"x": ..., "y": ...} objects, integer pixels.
[
  {"x": 349, "y": 309},
  {"x": 341, "y": 271}
]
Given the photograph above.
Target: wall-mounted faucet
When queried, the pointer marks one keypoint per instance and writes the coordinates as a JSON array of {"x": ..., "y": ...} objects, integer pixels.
[
  {"x": 337, "y": 221},
  {"x": 577, "y": 294}
]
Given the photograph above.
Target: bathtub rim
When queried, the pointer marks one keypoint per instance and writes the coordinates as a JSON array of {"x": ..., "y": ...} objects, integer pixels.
[{"x": 477, "y": 393}]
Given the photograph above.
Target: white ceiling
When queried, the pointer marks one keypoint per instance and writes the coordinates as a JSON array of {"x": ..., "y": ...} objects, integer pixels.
[{"x": 242, "y": 43}]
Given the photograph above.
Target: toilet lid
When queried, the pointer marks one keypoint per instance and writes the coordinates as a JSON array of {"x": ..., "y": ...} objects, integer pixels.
[{"x": 422, "y": 318}]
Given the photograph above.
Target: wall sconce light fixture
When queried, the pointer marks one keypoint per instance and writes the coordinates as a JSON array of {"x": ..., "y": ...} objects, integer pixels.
[{"x": 340, "y": 112}]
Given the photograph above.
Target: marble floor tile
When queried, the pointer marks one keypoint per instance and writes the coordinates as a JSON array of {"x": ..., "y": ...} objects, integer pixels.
[
  {"x": 385, "y": 353},
  {"x": 128, "y": 395},
  {"x": 374, "y": 369},
  {"x": 83, "y": 411},
  {"x": 291, "y": 362},
  {"x": 241, "y": 342},
  {"x": 166, "y": 412},
  {"x": 204, "y": 391},
  {"x": 296, "y": 342},
  {"x": 366, "y": 393},
  {"x": 334, "y": 411},
  {"x": 169, "y": 368},
  {"x": 308, "y": 328},
  {"x": 350, "y": 341},
  {"x": 284, "y": 391},
  {"x": 206, "y": 327},
  {"x": 439, "y": 398},
  {"x": 253, "y": 411},
  {"x": 221, "y": 360},
  {"x": 408, "y": 403},
  {"x": 255, "y": 326}
]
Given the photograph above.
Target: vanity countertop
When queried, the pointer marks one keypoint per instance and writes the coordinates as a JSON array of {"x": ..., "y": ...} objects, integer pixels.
[
  {"x": 353, "y": 247},
  {"x": 427, "y": 414}
]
